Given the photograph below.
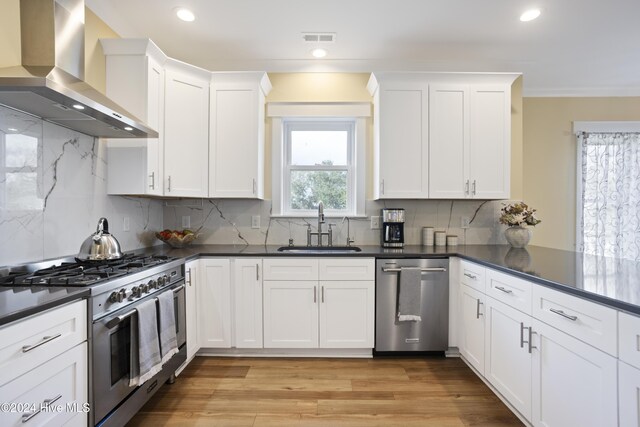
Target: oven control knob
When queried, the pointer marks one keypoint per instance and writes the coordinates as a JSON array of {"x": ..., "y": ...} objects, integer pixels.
[
  {"x": 152, "y": 284},
  {"x": 122, "y": 294},
  {"x": 117, "y": 296},
  {"x": 160, "y": 281},
  {"x": 166, "y": 279},
  {"x": 144, "y": 289},
  {"x": 135, "y": 292}
]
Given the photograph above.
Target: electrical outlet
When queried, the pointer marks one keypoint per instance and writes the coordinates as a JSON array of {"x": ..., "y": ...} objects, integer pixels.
[
  {"x": 375, "y": 223},
  {"x": 186, "y": 221},
  {"x": 255, "y": 221},
  {"x": 464, "y": 222},
  {"x": 126, "y": 224}
]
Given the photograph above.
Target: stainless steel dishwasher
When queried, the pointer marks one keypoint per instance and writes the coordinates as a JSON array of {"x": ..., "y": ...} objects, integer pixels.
[{"x": 431, "y": 333}]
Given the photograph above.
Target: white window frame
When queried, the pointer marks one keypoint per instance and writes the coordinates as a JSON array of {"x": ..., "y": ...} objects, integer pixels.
[{"x": 283, "y": 113}]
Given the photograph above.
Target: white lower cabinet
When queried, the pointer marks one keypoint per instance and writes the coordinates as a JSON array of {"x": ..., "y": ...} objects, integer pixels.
[
  {"x": 629, "y": 395},
  {"x": 472, "y": 326},
  {"x": 347, "y": 314},
  {"x": 192, "y": 270},
  {"x": 214, "y": 303},
  {"x": 247, "y": 296},
  {"x": 60, "y": 382},
  {"x": 507, "y": 363},
  {"x": 574, "y": 384},
  {"x": 290, "y": 314}
]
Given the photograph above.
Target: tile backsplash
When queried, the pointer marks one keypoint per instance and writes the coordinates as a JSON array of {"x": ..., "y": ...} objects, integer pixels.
[
  {"x": 229, "y": 221},
  {"x": 53, "y": 191}
]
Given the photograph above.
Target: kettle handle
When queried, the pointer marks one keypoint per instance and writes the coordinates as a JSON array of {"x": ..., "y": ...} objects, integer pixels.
[{"x": 103, "y": 226}]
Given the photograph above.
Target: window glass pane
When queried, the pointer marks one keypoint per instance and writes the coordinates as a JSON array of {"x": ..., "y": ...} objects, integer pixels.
[
  {"x": 310, "y": 187},
  {"x": 319, "y": 147},
  {"x": 21, "y": 150}
]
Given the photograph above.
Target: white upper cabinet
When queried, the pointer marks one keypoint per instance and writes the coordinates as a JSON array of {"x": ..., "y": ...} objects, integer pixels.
[
  {"x": 135, "y": 80},
  {"x": 400, "y": 139},
  {"x": 441, "y": 135},
  {"x": 236, "y": 136},
  {"x": 186, "y": 141}
]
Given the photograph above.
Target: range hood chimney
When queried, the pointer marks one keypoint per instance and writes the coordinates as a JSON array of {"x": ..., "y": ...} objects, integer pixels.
[{"x": 50, "y": 82}]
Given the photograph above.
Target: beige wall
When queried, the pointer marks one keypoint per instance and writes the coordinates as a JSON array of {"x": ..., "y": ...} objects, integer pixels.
[
  {"x": 550, "y": 159},
  {"x": 10, "y": 33}
]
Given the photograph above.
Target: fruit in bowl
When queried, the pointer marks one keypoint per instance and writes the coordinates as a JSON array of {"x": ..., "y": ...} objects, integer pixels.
[{"x": 177, "y": 238}]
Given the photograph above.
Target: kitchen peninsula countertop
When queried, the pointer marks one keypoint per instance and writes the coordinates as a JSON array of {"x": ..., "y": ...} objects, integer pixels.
[
  {"x": 22, "y": 301},
  {"x": 609, "y": 281}
]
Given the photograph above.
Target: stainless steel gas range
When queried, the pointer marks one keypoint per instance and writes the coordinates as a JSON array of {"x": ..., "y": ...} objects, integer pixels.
[{"x": 117, "y": 287}]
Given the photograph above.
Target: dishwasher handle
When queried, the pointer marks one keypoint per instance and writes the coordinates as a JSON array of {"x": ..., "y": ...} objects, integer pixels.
[{"x": 422, "y": 269}]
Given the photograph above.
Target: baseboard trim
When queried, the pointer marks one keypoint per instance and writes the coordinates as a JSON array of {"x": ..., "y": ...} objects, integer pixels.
[{"x": 362, "y": 353}]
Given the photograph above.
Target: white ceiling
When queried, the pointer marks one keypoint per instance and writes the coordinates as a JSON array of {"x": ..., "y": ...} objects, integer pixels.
[{"x": 577, "y": 47}]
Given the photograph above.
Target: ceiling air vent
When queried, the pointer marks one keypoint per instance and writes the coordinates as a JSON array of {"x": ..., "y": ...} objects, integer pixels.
[{"x": 319, "y": 37}]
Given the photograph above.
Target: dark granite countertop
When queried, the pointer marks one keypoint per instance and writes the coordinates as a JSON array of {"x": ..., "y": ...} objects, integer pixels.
[
  {"x": 19, "y": 302},
  {"x": 608, "y": 281}
]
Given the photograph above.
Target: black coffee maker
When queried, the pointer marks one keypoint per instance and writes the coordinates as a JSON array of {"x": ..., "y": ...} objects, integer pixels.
[{"x": 392, "y": 228}]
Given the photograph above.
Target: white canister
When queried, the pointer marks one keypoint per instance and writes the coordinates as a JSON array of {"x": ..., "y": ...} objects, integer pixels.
[
  {"x": 440, "y": 238},
  {"x": 427, "y": 236},
  {"x": 452, "y": 240}
]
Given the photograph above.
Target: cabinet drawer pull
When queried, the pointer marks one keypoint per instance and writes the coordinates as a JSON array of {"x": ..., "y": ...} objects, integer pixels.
[
  {"x": 28, "y": 348},
  {"x": 47, "y": 402},
  {"x": 257, "y": 272},
  {"x": 254, "y": 186},
  {"x": 315, "y": 299},
  {"x": 473, "y": 187},
  {"x": 466, "y": 188},
  {"x": 169, "y": 186},
  {"x": 153, "y": 180},
  {"x": 506, "y": 291},
  {"x": 563, "y": 314},
  {"x": 189, "y": 273},
  {"x": 478, "y": 314},
  {"x": 471, "y": 276},
  {"x": 322, "y": 290}
]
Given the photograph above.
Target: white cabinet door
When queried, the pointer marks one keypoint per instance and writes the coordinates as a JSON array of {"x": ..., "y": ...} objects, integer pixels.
[
  {"x": 136, "y": 82},
  {"x": 347, "y": 314},
  {"x": 401, "y": 147},
  {"x": 471, "y": 336},
  {"x": 290, "y": 314},
  {"x": 186, "y": 159},
  {"x": 507, "y": 364},
  {"x": 574, "y": 384},
  {"x": 62, "y": 380},
  {"x": 214, "y": 303},
  {"x": 448, "y": 141},
  {"x": 629, "y": 395},
  {"x": 236, "y": 154},
  {"x": 247, "y": 292},
  {"x": 192, "y": 282},
  {"x": 490, "y": 142}
]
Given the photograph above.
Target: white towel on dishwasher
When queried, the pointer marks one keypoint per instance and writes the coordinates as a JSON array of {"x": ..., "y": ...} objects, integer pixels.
[
  {"x": 409, "y": 295},
  {"x": 168, "y": 339},
  {"x": 145, "y": 344}
]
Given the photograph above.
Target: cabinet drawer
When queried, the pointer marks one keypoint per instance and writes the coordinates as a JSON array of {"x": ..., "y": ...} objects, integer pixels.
[
  {"x": 62, "y": 380},
  {"x": 347, "y": 269},
  {"x": 472, "y": 275},
  {"x": 592, "y": 323},
  {"x": 629, "y": 338},
  {"x": 290, "y": 269},
  {"x": 28, "y": 343},
  {"x": 510, "y": 290}
]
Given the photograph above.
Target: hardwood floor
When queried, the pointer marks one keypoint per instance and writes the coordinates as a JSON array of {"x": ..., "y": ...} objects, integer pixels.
[{"x": 325, "y": 392}]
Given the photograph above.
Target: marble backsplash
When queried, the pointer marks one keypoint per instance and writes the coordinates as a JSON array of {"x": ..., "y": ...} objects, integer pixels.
[
  {"x": 229, "y": 221},
  {"x": 53, "y": 191}
]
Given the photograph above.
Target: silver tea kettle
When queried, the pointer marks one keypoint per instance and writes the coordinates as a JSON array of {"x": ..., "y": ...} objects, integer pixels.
[{"x": 101, "y": 245}]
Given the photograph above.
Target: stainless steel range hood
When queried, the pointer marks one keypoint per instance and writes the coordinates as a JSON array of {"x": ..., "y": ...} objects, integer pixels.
[{"x": 50, "y": 82}]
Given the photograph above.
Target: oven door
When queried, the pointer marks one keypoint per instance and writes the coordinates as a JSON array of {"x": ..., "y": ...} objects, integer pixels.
[{"x": 112, "y": 352}]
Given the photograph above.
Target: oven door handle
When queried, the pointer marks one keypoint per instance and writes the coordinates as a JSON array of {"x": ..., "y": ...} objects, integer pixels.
[{"x": 119, "y": 319}]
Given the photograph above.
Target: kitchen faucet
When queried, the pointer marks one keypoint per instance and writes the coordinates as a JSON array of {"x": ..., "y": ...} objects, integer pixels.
[{"x": 320, "y": 233}]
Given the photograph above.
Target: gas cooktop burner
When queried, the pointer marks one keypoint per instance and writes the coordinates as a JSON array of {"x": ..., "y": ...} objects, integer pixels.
[{"x": 83, "y": 273}]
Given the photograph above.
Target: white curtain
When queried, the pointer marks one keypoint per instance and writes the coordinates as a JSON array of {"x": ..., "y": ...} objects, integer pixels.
[{"x": 610, "y": 220}]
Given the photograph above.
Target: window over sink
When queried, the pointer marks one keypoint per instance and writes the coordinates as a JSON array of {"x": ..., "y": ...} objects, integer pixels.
[{"x": 318, "y": 155}]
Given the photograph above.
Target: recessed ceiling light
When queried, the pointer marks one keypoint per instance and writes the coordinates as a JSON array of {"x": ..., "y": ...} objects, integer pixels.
[
  {"x": 530, "y": 15},
  {"x": 12, "y": 130},
  {"x": 185, "y": 14},
  {"x": 128, "y": 128},
  {"x": 78, "y": 106},
  {"x": 319, "y": 53}
]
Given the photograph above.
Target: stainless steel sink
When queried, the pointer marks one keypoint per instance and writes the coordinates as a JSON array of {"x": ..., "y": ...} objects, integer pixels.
[{"x": 319, "y": 249}]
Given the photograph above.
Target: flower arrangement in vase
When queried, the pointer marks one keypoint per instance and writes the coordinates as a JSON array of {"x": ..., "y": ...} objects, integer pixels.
[{"x": 519, "y": 217}]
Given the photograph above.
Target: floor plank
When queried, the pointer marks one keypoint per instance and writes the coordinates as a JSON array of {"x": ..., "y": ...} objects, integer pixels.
[{"x": 264, "y": 392}]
